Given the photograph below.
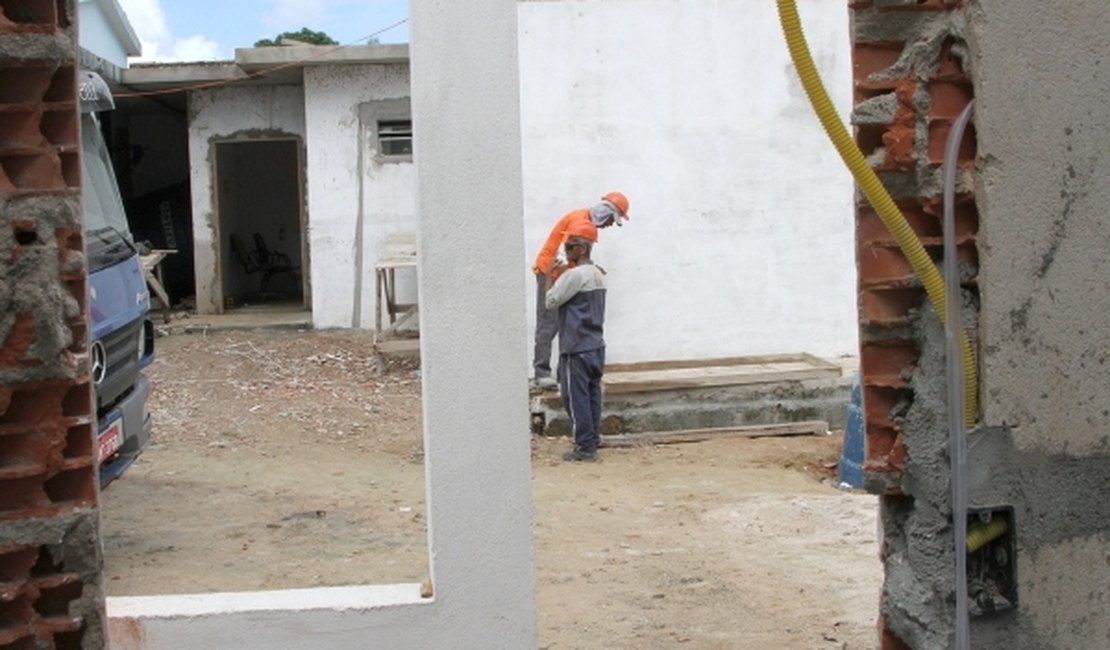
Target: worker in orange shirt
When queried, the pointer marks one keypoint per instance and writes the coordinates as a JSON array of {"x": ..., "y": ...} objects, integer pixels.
[{"x": 612, "y": 209}]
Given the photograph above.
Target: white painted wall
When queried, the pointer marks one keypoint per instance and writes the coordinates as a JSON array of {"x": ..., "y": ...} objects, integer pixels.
[
  {"x": 741, "y": 237},
  {"x": 345, "y": 243},
  {"x": 105, "y": 31},
  {"x": 229, "y": 113}
]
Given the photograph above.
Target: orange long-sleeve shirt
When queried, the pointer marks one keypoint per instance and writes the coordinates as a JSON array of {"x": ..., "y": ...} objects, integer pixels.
[{"x": 556, "y": 238}]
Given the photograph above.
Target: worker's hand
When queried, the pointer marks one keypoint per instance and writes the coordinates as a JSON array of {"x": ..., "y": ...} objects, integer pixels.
[{"x": 556, "y": 268}]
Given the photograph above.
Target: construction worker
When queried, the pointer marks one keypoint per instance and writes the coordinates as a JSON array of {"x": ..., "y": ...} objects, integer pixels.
[
  {"x": 577, "y": 298},
  {"x": 612, "y": 209}
]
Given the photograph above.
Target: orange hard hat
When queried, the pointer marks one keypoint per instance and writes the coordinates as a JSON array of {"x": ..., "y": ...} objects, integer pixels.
[
  {"x": 583, "y": 228},
  {"x": 619, "y": 200}
]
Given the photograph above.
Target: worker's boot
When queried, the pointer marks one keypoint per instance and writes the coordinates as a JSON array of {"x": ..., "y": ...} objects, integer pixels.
[{"x": 580, "y": 455}]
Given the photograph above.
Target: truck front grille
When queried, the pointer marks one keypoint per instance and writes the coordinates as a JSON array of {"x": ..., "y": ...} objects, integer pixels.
[{"x": 122, "y": 347}]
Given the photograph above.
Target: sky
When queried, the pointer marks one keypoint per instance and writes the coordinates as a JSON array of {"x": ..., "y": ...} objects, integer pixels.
[{"x": 206, "y": 30}]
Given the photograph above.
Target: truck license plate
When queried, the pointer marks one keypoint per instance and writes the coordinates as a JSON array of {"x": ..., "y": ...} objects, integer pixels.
[{"x": 110, "y": 440}]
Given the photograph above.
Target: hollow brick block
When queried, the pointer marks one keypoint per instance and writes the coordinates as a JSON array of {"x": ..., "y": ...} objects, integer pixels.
[
  {"x": 919, "y": 215},
  {"x": 869, "y": 58},
  {"x": 888, "y": 363},
  {"x": 883, "y": 265},
  {"x": 30, "y": 16},
  {"x": 14, "y": 351}
]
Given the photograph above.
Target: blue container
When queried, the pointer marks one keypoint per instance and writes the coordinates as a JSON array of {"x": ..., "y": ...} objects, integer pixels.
[{"x": 852, "y": 456}]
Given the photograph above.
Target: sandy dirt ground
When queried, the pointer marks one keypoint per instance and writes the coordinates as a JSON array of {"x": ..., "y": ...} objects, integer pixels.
[{"x": 290, "y": 459}]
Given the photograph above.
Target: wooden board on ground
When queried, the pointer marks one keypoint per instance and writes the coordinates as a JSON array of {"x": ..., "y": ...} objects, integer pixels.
[
  {"x": 733, "y": 371},
  {"x": 805, "y": 428}
]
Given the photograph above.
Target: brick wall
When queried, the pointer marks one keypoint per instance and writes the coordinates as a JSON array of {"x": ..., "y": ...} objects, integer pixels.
[
  {"x": 910, "y": 84},
  {"x": 50, "y": 584}
]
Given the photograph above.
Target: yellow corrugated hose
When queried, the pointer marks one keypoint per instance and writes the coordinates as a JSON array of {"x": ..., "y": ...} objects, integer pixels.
[
  {"x": 873, "y": 189},
  {"x": 981, "y": 533}
]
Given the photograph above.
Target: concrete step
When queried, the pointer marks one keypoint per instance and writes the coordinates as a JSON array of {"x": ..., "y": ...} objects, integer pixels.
[{"x": 713, "y": 393}]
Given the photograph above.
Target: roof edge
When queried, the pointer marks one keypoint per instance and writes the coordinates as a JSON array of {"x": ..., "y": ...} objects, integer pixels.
[
  {"x": 252, "y": 58},
  {"x": 117, "y": 18}
]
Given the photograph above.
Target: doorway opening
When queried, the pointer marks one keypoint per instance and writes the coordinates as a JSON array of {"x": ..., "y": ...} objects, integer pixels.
[{"x": 260, "y": 208}]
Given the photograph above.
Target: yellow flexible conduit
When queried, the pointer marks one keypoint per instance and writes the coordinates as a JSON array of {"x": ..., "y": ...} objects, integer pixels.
[
  {"x": 874, "y": 191},
  {"x": 981, "y": 533}
]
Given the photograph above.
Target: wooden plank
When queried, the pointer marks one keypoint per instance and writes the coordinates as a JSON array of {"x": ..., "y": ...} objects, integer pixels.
[
  {"x": 675, "y": 364},
  {"x": 807, "y": 427},
  {"x": 399, "y": 250},
  {"x": 690, "y": 378}
]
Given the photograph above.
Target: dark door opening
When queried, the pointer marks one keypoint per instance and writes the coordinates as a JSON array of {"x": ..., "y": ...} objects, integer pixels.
[{"x": 259, "y": 206}]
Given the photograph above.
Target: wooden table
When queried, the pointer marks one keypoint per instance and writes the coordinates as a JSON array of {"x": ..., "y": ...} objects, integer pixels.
[
  {"x": 152, "y": 271},
  {"x": 399, "y": 252}
]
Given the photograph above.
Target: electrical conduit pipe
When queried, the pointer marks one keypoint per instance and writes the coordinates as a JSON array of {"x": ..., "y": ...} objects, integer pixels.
[{"x": 876, "y": 194}]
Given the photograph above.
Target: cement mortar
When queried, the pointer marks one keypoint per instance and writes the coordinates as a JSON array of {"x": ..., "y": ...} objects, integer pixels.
[
  {"x": 877, "y": 110},
  {"x": 38, "y": 49},
  {"x": 30, "y": 283},
  {"x": 918, "y": 595},
  {"x": 921, "y": 56}
]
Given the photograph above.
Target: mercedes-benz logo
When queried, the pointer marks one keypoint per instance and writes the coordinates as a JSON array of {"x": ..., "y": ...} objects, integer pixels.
[{"x": 99, "y": 362}]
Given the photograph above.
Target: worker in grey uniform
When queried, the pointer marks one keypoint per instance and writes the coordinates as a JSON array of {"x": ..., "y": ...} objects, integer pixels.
[{"x": 578, "y": 294}]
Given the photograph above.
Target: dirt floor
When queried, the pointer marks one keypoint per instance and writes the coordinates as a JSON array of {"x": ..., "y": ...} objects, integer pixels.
[{"x": 289, "y": 459}]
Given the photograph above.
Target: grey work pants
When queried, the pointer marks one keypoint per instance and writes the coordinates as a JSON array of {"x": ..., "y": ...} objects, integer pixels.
[{"x": 547, "y": 326}]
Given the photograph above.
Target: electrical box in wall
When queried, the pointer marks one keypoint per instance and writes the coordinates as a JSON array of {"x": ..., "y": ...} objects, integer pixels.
[{"x": 991, "y": 561}]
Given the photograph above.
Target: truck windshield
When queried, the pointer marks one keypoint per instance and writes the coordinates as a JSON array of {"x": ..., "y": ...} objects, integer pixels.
[{"x": 108, "y": 238}]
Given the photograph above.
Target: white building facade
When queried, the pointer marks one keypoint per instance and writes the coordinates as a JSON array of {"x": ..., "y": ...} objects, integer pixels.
[{"x": 740, "y": 238}]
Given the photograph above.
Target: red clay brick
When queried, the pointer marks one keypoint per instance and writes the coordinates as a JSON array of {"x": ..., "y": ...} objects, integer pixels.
[
  {"x": 79, "y": 442},
  {"x": 21, "y": 130},
  {"x": 31, "y": 16},
  {"x": 883, "y": 266},
  {"x": 880, "y": 440},
  {"x": 869, "y": 58},
  {"x": 16, "y": 562},
  {"x": 897, "y": 456},
  {"x": 26, "y": 84},
  {"x": 870, "y": 228},
  {"x": 34, "y": 172},
  {"x": 938, "y": 141},
  {"x": 23, "y": 453},
  {"x": 20, "y": 339},
  {"x": 78, "y": 400},
  {"x": 34, "y": 403},
  {"x": 73, "y": 488},
  {"x": 19, "y": 496},
  {"x": 887, "y": 363},
  {"x": 900, "y": 142},
  {"x": 79, "y": 346},
  {"x": 71, "y": 169},
  {"x": 950, "y": 68},
  {"x": 888, "y": 640},
  {"x": 906, "y": 94},
  {"x": 966, "y": 216},
  {"x": 879, "y": 403},
  {"x": 63, "y": 88},
  {"x": 59, "y": 128},
  {"x": 887, "y": 307},
  {"x": 869, "y": 138},
  {"x": 7, "y": 189},
  {"x": 947, "y": 99}
]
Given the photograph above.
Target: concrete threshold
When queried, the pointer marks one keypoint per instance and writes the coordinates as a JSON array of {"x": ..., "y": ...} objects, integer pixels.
[{"x": 250, "y": 318}]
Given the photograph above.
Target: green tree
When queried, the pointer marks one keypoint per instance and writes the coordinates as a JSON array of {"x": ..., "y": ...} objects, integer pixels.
[{"x": 305, "y": 35}]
